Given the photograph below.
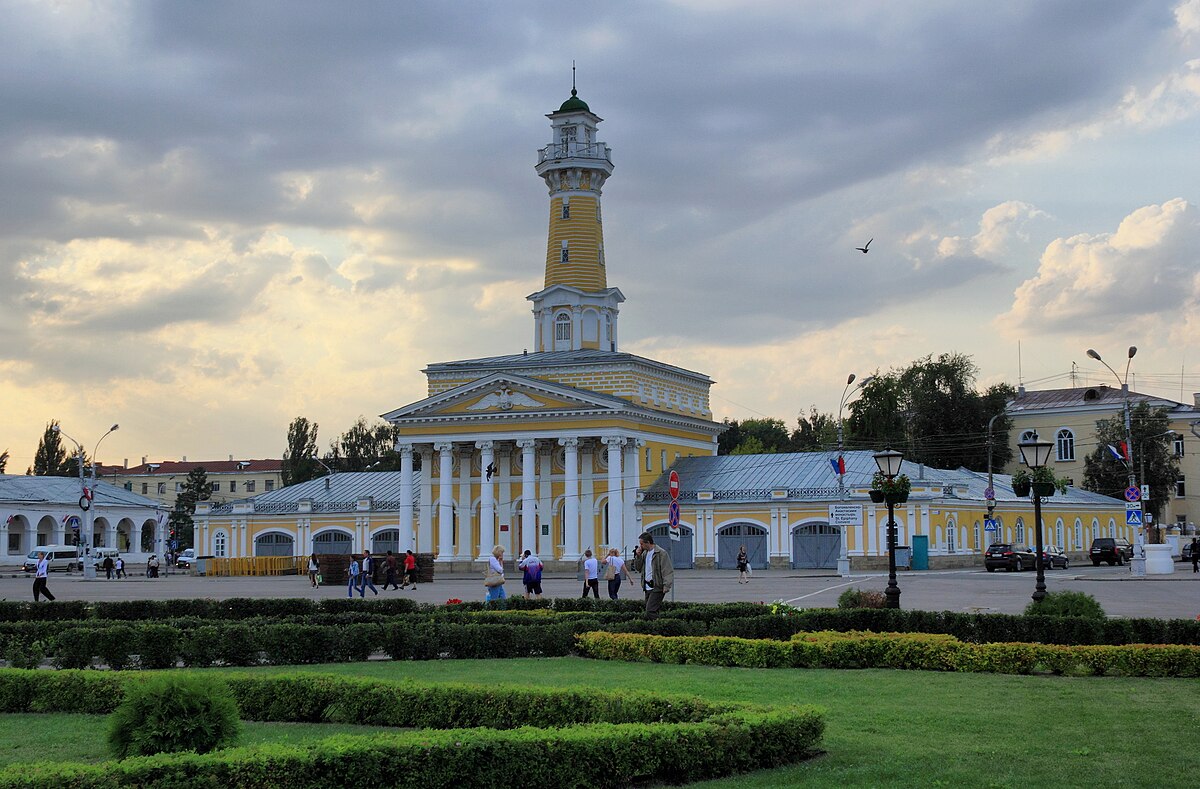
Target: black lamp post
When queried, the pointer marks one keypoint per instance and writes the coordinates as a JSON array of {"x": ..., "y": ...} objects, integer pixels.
[
  {"x": 889, "y": 466},
  {"x": 1035, "y": 454}
]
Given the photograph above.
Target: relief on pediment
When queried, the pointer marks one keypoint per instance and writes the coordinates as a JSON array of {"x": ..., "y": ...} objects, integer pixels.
[{"x": 505, "y": 399}]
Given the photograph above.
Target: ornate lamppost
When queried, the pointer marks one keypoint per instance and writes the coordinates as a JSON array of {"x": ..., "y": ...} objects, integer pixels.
[
  {"x": 889, "y": 462},
  {"x": 1035, "y": 454}
]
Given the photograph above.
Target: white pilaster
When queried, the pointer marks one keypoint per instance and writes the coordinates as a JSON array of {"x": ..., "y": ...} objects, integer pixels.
[
  {"x": 408, "y": 537},
  {"x": 545, "y": 477},
  {"x": 445, "y": 547},
  {"x": 464, "y": 545},
  {"x": 487, "y": 502},
  {"x": 504, "y": 505},
  {"x": 587, "y": 495},
  {"x": 425, "y": 518},
  {"x": 528, "y": 496},
  {"x": 571, "y": 500},
  {"x": 630, "y": 486}
]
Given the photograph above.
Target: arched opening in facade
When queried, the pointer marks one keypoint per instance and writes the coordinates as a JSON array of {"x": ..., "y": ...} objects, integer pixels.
[
  {"x": 731, "y": 537},
  {"x": 815, "y": 546},
  {"x": 682, "y": 552}
]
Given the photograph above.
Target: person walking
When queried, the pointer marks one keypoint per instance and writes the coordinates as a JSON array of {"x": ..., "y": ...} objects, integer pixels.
[
  {"x": 410, "y": 570},
  {"x": 314, "y": 570},
  {"x": 39, "y": 580},
  {"x": 1195, "y": 555},
  {"x": 367, "y": 577},
  {"x": 658, "y": 573},
  {"x": 531, "y": 566},
  {"x": 614, "y": 570},
  {"x": 120, "y": 566},
  {"x": 493, "y": 580},
  {"x": 152, "y": 567},
  {"x": 109, "y": 568},
  {"x": 591, "y": 575},
  {"x": 352, "y": 575},
  {"x": 390, "y": 565},
  {"x": 743, "y": 566}
]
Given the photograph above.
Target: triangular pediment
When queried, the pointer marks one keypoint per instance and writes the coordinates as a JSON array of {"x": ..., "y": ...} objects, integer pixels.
[{"x": 505, "y": 394}]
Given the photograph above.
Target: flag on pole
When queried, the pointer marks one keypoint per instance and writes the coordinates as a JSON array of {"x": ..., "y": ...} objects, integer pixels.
[
  {"x": 839, "y": 464},
  {"x": 1121, "y": 454}
]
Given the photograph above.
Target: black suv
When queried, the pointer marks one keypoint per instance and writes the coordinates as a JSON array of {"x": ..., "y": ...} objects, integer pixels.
[
  {"x": 1002, "y": 556},
  {"x": 1113, "y": 550}
]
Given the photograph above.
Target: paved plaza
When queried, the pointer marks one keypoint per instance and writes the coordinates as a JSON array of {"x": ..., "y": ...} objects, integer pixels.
[{"x": 1174, "y": 596}]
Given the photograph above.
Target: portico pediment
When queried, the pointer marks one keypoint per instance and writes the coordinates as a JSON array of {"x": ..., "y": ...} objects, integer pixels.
[{"x": 503, "y": 394}]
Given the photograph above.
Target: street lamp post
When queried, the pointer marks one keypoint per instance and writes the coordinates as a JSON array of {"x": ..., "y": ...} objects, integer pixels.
[
  {"x": 1035, "y": 454},
  {"x": 1137, "y": 565},
  {"x": 889, "y": 462},
  {"x": 85, "y": 502},
  {"x": 991, "y": 497},
  {"x": 844, "y": 554}
]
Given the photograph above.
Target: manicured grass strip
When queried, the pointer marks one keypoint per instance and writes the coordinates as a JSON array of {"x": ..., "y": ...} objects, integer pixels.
[{"x": 920, "y": 651}]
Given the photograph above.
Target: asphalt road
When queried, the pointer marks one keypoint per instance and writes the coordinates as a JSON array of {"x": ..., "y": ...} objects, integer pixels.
[{"x": 1174, "y": 596}]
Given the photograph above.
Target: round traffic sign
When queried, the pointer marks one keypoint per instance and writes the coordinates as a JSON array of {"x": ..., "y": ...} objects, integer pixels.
[
  {"x": 989, "y": 493},
  {"x": 673, "y": 515},
  {"x": 673, "y": 482},
  {"x": 1133, "y": 493}
]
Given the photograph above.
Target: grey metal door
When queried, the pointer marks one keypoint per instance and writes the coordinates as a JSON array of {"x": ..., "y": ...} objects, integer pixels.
[
  {"x": 731, "y": 538},
  {"x": 332, "y": 542},
  {"x": 681, "y": 552},
  {"x": 386, "y": 541},
  {"x": 815, "y": 546},
  {"x": 274, "y": 544}
]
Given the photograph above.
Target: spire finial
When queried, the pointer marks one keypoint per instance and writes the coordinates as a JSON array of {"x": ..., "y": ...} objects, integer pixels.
[{"x": 573, "y": 91}]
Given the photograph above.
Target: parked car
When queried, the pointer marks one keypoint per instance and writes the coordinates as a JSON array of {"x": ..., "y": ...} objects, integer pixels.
[
  {"x": 1054, "y": 557},
  {"x": 60, "y": 557},
  {"x": 100, "y": 554},
  {"x": 1185, "y": 554},
  {"x": 1113, "y": 550},
  {"x": 1003, "y": 556},
  {"x": 185, "y": 557}
]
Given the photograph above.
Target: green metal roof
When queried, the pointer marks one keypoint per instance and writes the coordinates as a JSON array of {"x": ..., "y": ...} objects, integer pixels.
[{"x": 574, "y": 104}]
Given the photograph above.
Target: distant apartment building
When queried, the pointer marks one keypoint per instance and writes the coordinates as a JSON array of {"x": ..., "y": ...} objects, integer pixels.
[{"x": 230, "y": 479}]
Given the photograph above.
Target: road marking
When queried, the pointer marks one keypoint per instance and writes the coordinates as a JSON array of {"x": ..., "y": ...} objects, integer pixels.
[{"x": 826, "y": 589}]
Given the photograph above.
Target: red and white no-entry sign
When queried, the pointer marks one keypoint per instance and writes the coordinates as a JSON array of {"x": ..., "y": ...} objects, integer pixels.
[{"x": 673, "y": 482}]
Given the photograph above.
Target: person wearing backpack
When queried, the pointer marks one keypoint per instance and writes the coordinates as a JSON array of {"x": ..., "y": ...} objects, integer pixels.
[{"x": 532, "y": 567}]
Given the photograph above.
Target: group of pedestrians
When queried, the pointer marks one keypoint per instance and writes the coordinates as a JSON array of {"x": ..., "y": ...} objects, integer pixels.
[
  {"x": 361, "y": 573},
  {"x": 113, "y": 568},
  {"x": 614, "y": 573}
]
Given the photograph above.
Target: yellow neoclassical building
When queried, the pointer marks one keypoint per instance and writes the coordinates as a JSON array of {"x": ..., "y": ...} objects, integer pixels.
[{"x": 563, "y": 448}]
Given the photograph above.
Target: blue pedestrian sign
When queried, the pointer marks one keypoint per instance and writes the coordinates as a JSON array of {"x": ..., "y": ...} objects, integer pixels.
[
  {"x": 990, "y": 525},
  {"x": 1133, "y": 493},
  {"x": 1133, "y": 517}
]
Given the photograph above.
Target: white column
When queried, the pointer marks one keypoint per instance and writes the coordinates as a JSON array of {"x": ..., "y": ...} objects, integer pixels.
[
  {"x": 425, "y": 516},
  {"x": 445, "y": 547},
  {"x": 464, "y": 546},
  {"x": 587, "y": 497},
  {"x": 528, "y": 496},
  {"x": 504, "y": 509},
  {"x": 577, "y": 328},
  {"x": 615, "y": 516},
  {"x": 571, "y": 500},
  {"x": 629, "y": 530},
  {"x": 407, "y": 535},
  {"x": 487, "y": 500}
]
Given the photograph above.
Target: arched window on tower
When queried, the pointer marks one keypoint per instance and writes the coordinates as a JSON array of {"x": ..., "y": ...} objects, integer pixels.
[{"x": 562, "y": 332}]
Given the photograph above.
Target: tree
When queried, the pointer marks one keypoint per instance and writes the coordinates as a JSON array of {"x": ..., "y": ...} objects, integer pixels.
[
  {"x": 195, "y": 488},
  {"x": 752, "y": 445},
  {"x": 50, "y": 460},
  {"x": 298, "y": 463},
  {"x": 1153, "y": 457},
  {"x": 3, "y": 461},
  {"x": 365, "y": 447},
  {"x": 815, "y": 432},
  {"x": 771, "y": 436},
  {"x": 932, "y": 412}
]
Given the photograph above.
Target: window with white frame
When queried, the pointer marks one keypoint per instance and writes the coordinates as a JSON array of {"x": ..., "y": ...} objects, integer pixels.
[
  {"x": 1019, "y": 539},
  {"x": 564, "y": 254},
  {"x": 1180, "y": 490},
  {"x": 566, "y": 208},
  {"x": 232, "y": 486},
  {"x": 1178, "y": 446},
  {"x": 1112, "y": 528},
  {"x": 1078, "y": 534},
  {"x": 250, "y": 486},
  {"x": 1064, "y": 442},
  {"x": 562, "y": 327},
  {"x": 216, "y": 486},
  {"x": 269, "y": 485},
  {"x": 1058, "y": 534},
  {"x": 162, "y": 487},
  {"x": 950, "y": 537},
  {"x": 1027, "y": 435},
  {"x": 219, "y": 544},
  {"x": 649, "y": 462}
]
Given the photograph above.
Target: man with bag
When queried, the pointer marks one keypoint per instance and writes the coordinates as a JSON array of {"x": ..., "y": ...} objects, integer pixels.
[{"x": 658, "y": 572}]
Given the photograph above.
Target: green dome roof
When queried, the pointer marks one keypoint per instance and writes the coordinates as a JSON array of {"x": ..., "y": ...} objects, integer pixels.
[{"x": 574, "y": 104}]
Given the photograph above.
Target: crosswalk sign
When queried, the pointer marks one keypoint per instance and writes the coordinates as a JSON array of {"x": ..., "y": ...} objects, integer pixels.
[
  {"x": 1133, "y": 517},
  {"x": 990, "y": 525}
]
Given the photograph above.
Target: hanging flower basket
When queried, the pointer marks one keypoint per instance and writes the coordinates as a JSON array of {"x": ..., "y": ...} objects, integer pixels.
[
  {"x": 876, "y": 496},
  {"x": 1022, "y": 488},
  {"x": 896, "y": 498},
  {"x": 1041, "y": 480},
  {"x": 1044, "y": 489},
  {"x": 893, "y": 491}
]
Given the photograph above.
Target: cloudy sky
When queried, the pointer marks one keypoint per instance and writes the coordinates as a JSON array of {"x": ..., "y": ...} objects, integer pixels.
[{"x": 215, "y": 217}]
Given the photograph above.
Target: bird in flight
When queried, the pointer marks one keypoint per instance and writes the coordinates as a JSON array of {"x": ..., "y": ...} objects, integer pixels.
[{"x": 865, "y": 247}]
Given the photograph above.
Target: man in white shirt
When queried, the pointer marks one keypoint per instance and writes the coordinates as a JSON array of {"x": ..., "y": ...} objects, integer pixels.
[
  {"x": 591, "y": 574},
  {"x": 39, "y": 581}
]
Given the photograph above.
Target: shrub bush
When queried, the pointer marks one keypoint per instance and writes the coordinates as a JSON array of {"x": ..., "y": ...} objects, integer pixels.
[
  {"x": 169, "y": 713},
  {"x": 860, "y": 598},
  {"x": 1077, "y": 604}
]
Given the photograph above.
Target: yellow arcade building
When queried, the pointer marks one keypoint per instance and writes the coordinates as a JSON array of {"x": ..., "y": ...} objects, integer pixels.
[{"x": 546, "y": 450}]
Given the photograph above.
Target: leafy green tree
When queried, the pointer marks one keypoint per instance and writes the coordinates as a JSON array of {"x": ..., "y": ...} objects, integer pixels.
[
  {"x": 932, "y": 412},
  {"x": 365, "y": 447},
  {"x": 3, "y": 461},
  {"x": 51, "y": 460},
  {"x": 298, "y": 464},
  {"x": 1153, "y": 457},
  {"x": 771, "y": 436},
  {"x": 752, "y": 445},
  {"x": 814, "y": 432},
  {"x": 195, "y": 488}
]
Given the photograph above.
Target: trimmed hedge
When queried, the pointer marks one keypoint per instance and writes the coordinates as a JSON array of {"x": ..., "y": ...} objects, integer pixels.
[
  {"x": 606, "y": 739},
  {"x": 921, "y": 651}
]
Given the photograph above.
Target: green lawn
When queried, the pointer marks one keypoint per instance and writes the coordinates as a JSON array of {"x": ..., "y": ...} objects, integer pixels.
[{"x": 885, "y": 728}]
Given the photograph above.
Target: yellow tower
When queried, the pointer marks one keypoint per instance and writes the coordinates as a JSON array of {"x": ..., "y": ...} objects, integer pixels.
[{"x": 575, "y": 308}]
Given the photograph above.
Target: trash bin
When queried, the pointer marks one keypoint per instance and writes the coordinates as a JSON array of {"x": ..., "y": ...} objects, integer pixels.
[
  {"x": 904, "y": 556},
  {"x": 198, "y": 566}
]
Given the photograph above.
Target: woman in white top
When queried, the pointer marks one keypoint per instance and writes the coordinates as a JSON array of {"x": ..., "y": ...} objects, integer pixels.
[
  {"x": 614, "y": 570},
  {"x": 495, "y": 568}
]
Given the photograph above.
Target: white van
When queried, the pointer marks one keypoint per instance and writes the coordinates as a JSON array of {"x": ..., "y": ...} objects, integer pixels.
[
  {"x": 61, "y": 557},
  {"x": 100, "y": 554}
]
